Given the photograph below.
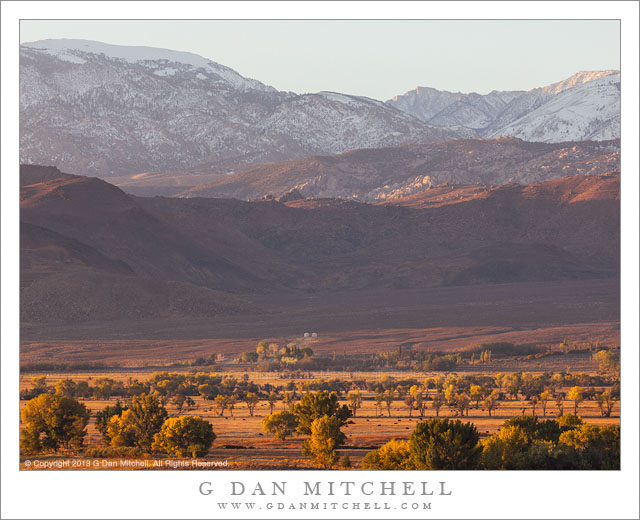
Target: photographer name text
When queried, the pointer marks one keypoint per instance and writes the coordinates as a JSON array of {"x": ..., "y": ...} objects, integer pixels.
[{"x": 328, "y": 488}]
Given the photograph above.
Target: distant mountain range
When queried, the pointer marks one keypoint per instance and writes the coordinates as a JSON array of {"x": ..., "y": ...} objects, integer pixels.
[
  {"x": 105, "y": 110},
  {"x": 584, "y": 106}
]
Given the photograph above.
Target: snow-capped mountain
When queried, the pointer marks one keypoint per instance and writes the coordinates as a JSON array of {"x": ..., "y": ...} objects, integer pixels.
[
  {"x": 441, "y": 107},
  {"x": 584, "y": 106},
  {"x": 590, "y": 110},
  {"x": 99, "y": 109}
]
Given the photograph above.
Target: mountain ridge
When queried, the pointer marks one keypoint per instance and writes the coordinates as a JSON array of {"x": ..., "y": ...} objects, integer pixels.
[
  {"x": 202, "y": 256},
  {"x": 503, "y": 112},
  {"x": 100, "y": 114},
  {"x": 97, "y": 109},
  {"x": 376, "y": 175}
]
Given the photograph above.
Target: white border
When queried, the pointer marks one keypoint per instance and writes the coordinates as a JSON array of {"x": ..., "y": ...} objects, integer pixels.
[{"x": 174, "y": 494}]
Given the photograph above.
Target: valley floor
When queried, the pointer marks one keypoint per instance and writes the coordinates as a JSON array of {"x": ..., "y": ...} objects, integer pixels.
[{"x": 443, "y": 318}]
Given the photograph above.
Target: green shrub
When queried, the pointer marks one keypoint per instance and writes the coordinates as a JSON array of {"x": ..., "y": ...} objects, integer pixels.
[{"x": 445, "y": 444}]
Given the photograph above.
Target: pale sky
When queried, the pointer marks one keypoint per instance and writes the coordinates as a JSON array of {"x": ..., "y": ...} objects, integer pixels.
[{"x": 374, "y": 58}]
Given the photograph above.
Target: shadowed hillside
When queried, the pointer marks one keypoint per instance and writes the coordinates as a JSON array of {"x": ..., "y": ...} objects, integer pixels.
[{"x": 87, "y": 245}]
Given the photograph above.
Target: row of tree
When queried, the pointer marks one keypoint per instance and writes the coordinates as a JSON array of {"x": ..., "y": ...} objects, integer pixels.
[
  {"x": 419, "y": 399},
  {"x": 210, "y": 385},
  {"x": 273, "y": 357},
  {"x": 166, "y": 385},
  {"x": 459, "y": 393}
]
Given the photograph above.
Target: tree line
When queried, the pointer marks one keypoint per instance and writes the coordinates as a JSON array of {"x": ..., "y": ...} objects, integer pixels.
[
  {"x": 460, "y": 393},
  {"x": 269, "y": 357},
  {"x": 524, "y": 443}
]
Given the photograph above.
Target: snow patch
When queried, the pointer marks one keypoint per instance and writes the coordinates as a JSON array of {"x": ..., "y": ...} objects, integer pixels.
[
  {"x": 341, "y": 98},
  {"x": 70, "y": 58}
]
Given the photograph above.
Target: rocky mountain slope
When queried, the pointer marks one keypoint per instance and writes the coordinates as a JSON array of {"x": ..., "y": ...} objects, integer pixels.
[
  {"x": 387, "y": 173},
  {"x": 584, "y": 106},
  {"x": 90, "y": 252},
  {"x": 97, "y": 109}
]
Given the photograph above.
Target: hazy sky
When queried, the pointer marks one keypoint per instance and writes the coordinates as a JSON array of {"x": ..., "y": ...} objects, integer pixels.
[{"x": 378, "y": 59}]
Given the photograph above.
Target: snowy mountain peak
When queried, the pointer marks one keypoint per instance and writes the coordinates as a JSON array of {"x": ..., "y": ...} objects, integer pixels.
[
  {"x": 588, "y": 110},
  {"x": 585, "y": 105},
  {"x": 79, "y": 51},
  {"x": 579, "y": 78}
]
